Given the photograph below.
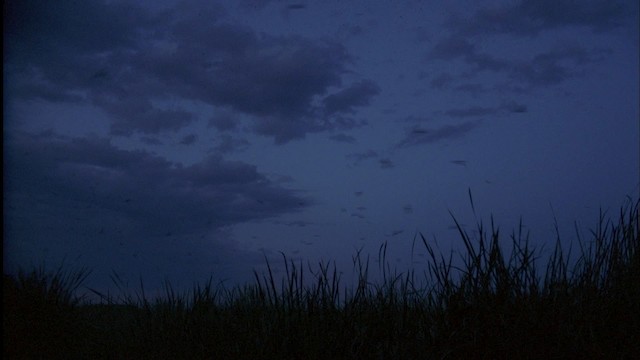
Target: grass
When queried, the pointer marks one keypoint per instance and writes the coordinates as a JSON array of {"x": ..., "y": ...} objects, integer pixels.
[{"x": 499, "y": 304}]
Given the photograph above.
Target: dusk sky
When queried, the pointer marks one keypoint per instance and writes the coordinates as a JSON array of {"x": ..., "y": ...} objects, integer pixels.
[{"x": 186, "y": 139}]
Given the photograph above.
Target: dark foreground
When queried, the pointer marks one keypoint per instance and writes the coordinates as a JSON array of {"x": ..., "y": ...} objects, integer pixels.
[{"x": 499, "y": 305}]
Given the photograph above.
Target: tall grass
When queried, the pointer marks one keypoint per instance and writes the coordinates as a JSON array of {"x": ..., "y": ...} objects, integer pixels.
[
  {"x": 502, "y": 302},
  {"x": 39, "y": 314}
]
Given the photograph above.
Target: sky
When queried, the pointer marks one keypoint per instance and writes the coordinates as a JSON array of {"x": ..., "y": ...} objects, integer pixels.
[{"x": 188, "y": 140}]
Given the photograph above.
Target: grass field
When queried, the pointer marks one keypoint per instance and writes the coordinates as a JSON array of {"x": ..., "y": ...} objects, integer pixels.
[{"x": 501, "y": 304}]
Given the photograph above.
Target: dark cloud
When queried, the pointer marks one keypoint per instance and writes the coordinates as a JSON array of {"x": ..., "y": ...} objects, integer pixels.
[
  {"x": 296, "y": 6},
  {"x": 343, "y": 138},
  {"x": 415, "y": 119},
  {"x": 544, "y": 69},
  {"x": 418, "y": 136},
  {"x": 386, "y": 163},
  {"x": 452, "y": 47},
  {"x": 530, "y": 17},
  {"x": 281, "y": 179},
  {"x": 284, "y": 130},
  {"x": 128, "y": 61},
  {"x": 419, "y": 131},
  {"x": 295, "y": 223},
  {"x": 486, "y": 62},
  {"x": 189, "y": 139},
  {"x": 261, "y": 4},
  {"x": 270, "y": 78},
  {"x": 224, "y": 121},
  {"x": 54, "y": 180},
  {"x": 554, "y": 66},
  {"x": 254, "y": 4},
  {"x": 509, "y": 106},
  {"x": 473, "y": 89},
  {"x": 360, "y": 157},
  {"x": 350, "y": 30},
  {"x": 441, "y": 81},
  {"x": 514, "y": 107},
  {"x": 230, "y": 144},
  {"x": 35, "y": 89},
  {"x": 150, "y": 140},
  {"x": 36, "y": 28},
  {"x": 459, "y": 47},
  {"x": 132, "y": 115},
  {"x": 474, "y": 111},
  {"x": 345, "y": 100}
]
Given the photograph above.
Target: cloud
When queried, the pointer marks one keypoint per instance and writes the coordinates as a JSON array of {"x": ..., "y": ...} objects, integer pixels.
[
  {"x": 228, "y": 144},
  {"x": 343, "y": 138},
  {"x": 474, "y": 111},
  {"x": 189, "y": 139},
  {"x": 131, "y": 63},
  {"x": 554, "y": 66},
  {"x": 346, "y": 31},
  {"x": 527, "y": 18},
  {"x": 514, "y": 107},
  {"x": 284, "y": 130},
  {"x": 451, "y": 48},
  {"x": 546, "y": 68},
  {"x": 224, "y": 121},
  {"x": 150, "y": 140},
  {"x": 345, "y": 100},
  {"x": 360, "y": 157},
  {"x": 458, "y": 46},
  {"x": 415, "y": 119},
  {"x": 530, "y": 17},
  {"x": 386, "y": 163},
  {"x": 473, "y": 89},
  {"x": 419, "y": 136},
  {"x": 55, "y": 180},
  {"x": 295, "y": 223},
  {"x": 441, "y": 81},
  {"x": 296, "y": 6},
  {"x": 36, "y": 28},
  {"x": 509, "y": 106},
  {"x": 254, "y": 4}
]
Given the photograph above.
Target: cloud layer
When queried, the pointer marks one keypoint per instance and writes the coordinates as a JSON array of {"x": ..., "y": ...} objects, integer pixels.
[
  {"x": 127, "y": 61},
  {"x": 64, "y": 178},
  {"x": 525, "y": 20}
]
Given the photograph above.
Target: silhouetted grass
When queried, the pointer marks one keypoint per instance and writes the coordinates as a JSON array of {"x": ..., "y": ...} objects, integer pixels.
[
  {"x": 40, "y": 314},
  {"x": 498, "y": 305}
]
